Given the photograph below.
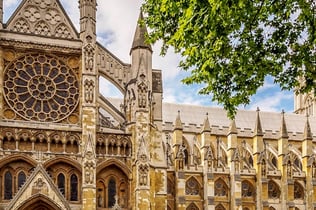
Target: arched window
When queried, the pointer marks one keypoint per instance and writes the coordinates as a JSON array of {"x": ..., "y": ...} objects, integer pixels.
[
  {"x": 21, "y": 179},
  {"x": 247, "y": 189},
  {"x": 73, "y": 188},
  {"x": 220, "y": 207},
  {"x": 221, "y": 188},
  {"x": 273, "y": 190},
  {"x": 271, "y": 208},
  {"x": 192, "y": 206},
  {"x": 111, "y": 192},
  {"x": 61, "y": 183},
  {"x": 8, "y": 186},
  {"x": 245, "y": 208},
  {"x": 192, "y": 187},
  {"x": 298, "y": 191}
]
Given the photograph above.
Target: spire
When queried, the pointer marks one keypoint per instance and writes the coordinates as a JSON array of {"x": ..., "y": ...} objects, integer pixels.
[
  {"x": 178, "y": 123},
  {"x": 232, "y": 128},
  {"x": 206, "y": 125},
  {"x": 307, "y": 130},
  {"x": 283, "y": 128},
  {"x": 258, "y": 128},
  {"x": 140, "y": 36}
]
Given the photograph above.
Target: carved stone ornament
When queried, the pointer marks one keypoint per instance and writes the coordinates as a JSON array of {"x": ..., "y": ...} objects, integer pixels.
[
  {"x": 41, "y": 87},
  {"x": 89, "y": 91},
  {"x": 89, "y": 57},
  {"x": 143, "y": 174}
]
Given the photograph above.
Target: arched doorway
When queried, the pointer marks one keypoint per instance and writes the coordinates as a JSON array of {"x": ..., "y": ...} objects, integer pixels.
[
  {"x": 112, "y": 185},
  {"x": 39, "y": 203}
]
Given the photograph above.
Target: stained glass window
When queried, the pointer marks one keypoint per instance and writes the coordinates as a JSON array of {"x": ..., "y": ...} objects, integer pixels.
[
  {"x": 8, "y": 186},
  {"x": 61, "y": 183},
  {"x": 111, "y": 192},
  {"x": 73, "y": 188},
  {"x": 21, "y": 179}
]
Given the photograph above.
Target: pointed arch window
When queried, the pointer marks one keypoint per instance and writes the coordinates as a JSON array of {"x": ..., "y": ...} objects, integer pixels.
[
  {"x": 247, "y": 189},
  {"x": 111, "y": 192},
  {"x": 192, "y": 206},
  {"x": 298, "y": 191},
  {"x": 21, "y": 179},
  {"x": 61, "y": 183},
  {"x": 220, "y": 207},
  {"x": 73, "y": 188},
  {"x": 221, "y": 188},
  {"x": 7, "y": 186},
  {"x": 192, "y": 187},
  {"x": 273, "y": 190}
]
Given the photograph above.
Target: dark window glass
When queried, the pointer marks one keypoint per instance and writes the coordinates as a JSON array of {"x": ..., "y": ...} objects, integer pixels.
[
  {"x": 61, "y": 183},
  {"x": 8, "y": 186},
  {"x": 73, "y": 188},
  {"x": 111, "y": 193},
  {"x": 21, "y": 179}
]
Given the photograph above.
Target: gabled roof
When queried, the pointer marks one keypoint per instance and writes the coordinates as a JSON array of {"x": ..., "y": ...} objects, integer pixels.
[
  {"x": 43, "y": 18},
  {"x": 38, "y": 183}
]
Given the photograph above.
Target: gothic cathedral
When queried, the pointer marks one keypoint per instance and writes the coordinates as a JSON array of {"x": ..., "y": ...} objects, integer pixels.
[{"x": 65, "y": 146}]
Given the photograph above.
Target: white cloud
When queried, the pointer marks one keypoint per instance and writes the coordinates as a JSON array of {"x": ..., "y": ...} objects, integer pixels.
[
  {"x": 274, "y": 103},
  {"x": 116, "y": 24}
]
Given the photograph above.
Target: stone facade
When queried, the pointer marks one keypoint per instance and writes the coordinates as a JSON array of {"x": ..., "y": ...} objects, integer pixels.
[{"x": 63, "y": 145}]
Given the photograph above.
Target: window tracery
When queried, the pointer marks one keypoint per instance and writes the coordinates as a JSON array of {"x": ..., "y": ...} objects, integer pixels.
[
  {"x": 298, "y": 191},
  {"x": 273, "y": 190},
  {"x": 192, "y": 187},
  {"x": 221, "y": 188},
  {"x": 247, "y": 189},
  {"x": 220, "y": 207},
  {"x": 41, "y": 88},
  {"x": 192, "y": 206}
]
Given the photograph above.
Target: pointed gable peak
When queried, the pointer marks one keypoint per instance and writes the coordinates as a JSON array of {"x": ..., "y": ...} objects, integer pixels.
[
  {"x": 258, "y": 127},
  {"x": 40, "y": 185},
  {"x": 140, "y": 35},
  {"x": 178, "y": 123},
  {"x": 283, "y": 128},
  {"x": 307, "y": 130},
  {"x": 206, "y": 124},
  {"x": 42, "y": 18}
]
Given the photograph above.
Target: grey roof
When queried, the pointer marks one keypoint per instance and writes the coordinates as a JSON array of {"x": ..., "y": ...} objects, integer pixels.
[{"x": 245, "y": 119}]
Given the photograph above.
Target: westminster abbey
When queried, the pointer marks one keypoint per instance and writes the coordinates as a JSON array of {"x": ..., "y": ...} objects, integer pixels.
[{"x": 65, "y": 146}]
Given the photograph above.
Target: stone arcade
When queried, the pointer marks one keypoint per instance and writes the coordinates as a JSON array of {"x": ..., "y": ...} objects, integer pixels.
[{"x": 65, "y": 146}]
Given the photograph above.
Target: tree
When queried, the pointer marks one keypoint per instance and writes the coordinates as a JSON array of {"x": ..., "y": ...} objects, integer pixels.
[{"x": 231, "y": 46}]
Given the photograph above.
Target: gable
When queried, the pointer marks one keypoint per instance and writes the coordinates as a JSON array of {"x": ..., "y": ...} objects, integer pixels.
[
  {"x": 43, "y": 18},
  {"x": 38, "y": 184}
]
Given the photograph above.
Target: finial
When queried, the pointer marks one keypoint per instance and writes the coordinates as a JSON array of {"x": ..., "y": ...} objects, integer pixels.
[
  {"x": 283, "y": 128},
  {"x": 307, "y": 130},
  {"x": 206, "y": 124},
  {"x": 258, "y": 128},
  {"x": 232, "y": 128},
  {"x": 178, "y": 123}
]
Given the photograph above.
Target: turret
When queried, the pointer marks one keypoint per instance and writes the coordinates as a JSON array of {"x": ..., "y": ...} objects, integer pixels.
[
  {"x": 141, "y": 53},
  {"x": 88, "y": 10}
]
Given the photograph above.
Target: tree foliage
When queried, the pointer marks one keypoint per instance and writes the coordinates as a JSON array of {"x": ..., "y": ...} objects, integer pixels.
[{"x": 230, "y": 46}]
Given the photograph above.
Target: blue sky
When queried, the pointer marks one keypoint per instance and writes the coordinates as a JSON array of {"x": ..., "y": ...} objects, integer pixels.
[{"x": 116, "y": 22}]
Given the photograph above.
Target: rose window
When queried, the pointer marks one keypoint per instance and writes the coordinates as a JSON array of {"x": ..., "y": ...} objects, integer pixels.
[{"x": 41, "y": 88}]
